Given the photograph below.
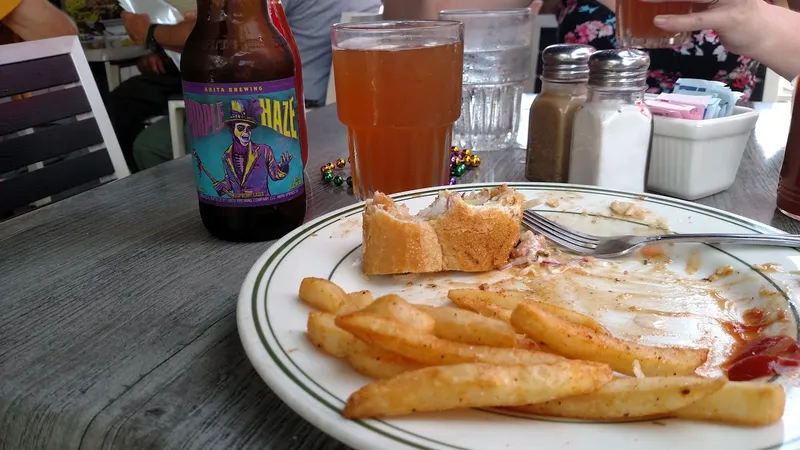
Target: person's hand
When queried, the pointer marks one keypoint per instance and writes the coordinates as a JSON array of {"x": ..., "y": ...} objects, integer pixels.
[
  {"x": 151, "y": 64},
  {"x": 739, "y": 23},
  {"x": 136, "y": 25},
  {"x": 286, "y": 157}
]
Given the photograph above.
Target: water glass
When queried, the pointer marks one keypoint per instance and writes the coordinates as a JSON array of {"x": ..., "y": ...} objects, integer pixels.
[{"x": 497, "y": 62}]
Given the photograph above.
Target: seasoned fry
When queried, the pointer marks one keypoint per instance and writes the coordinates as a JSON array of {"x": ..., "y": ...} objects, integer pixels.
[
  {"x": 509, "y": 301},
  {"x": 366, "y": 360},
  {"x": 739, "y": 403},
  {"x": 465, "y": 326},
  {"x": 428, "y": 349},
  {"x": 579, "y": 342},
  {"x": 479, "y": 306},
  {"x": 355, "y": 301},
  {"x": 332, "y": 340},
  {"x": 377, "y": 363},
  {"x": 628, "y": 398},
  {"x": 322, "y": 294},
  {"x": 474, "y": 385},
  {"x": 393, "y": 307}
]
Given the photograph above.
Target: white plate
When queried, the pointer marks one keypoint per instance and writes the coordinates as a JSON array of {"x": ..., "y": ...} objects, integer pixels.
[{"x": 272, "y": 324}]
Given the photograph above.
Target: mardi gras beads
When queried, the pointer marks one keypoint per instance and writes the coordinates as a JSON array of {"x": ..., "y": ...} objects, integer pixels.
[
  {"x": 461, "y": 161},
  {"x": 328, "y": 176}
]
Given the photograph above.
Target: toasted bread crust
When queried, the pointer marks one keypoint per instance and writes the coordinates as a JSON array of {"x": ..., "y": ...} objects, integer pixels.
[
  {"x": 463, "y": 238},
  {"x": 392, "y": 245}
]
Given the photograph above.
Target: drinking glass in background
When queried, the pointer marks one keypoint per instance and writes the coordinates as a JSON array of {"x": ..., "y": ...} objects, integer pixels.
[
  {"x": 635, "y": 28},
  {"x": 497, "y": 62},
  {"x": 398, "y": 91}
]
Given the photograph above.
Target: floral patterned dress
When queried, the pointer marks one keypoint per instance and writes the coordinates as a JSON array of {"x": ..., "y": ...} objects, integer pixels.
[{"x": 590, "y": 22}]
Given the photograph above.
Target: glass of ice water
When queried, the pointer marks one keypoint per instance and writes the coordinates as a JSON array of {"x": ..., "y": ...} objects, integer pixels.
[{"x": 497, "y": 62}]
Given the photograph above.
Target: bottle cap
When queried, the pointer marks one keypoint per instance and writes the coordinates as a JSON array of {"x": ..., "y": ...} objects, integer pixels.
[
  {"x": 621, "y": 69},
  {"x": 566, "y": 62}
]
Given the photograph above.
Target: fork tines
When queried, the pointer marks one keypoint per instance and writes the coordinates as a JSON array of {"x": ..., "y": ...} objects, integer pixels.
[{"x": 571, "y": 239}]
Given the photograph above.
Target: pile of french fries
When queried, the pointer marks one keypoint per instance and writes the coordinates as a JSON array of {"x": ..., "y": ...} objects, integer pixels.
[{"x": 508, "y": 351}]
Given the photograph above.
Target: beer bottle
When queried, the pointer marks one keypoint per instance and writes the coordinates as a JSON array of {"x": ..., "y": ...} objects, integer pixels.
[
  {"x": 242, "y": 113},
  {"x": 278, "y": 16}
]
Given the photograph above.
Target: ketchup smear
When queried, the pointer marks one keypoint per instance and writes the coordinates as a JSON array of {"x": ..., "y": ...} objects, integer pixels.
[{"x": 765, "y": 357}]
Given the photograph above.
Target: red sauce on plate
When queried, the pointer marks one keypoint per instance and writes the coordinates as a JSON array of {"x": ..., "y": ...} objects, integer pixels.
[{"x": 763, "y": 357}]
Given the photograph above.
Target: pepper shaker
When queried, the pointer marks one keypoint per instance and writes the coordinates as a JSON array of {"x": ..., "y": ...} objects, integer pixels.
[
  {"x": 564, "y": 77},
  {"x": 612, "y": 131}
]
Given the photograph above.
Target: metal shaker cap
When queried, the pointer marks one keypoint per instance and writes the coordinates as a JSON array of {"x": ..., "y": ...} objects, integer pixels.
[
  {"x": 566, "y": 62},
  {"x": 623, "y": 69}
]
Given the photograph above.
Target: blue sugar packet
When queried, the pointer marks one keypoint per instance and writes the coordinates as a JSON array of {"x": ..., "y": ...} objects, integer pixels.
[
  {"x": 717, "y": 89},
  {"x": 713, "y": 109}
]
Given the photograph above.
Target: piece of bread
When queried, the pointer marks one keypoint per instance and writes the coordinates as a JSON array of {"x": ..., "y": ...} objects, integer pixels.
[{"x": 470, "y": 233}]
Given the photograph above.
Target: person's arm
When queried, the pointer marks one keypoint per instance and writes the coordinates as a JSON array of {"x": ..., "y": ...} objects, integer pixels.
[
  {"x": 429, "y": 9},
  {"x": 173, "y": 37},
  {"x": 39, "y": 19},
  {"x": 170, "y": 37},
  {"x": 779, "y": 47},
  {"x": 753, "y": 28}
]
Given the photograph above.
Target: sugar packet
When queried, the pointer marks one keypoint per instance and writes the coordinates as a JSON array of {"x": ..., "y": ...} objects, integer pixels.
[
  {"x": 718, "y": 89},
  {"x": 675, "y": 110}
]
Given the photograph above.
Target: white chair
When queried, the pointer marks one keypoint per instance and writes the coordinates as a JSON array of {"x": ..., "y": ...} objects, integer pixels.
[
  {"x": 177, "y": 114},
  {"x": 55, "y": 135},
  {"x": 348, "y": 17}
]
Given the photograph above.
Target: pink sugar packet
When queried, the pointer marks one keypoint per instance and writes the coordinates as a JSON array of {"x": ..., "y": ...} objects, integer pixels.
[{"x": 678, "y": 111}]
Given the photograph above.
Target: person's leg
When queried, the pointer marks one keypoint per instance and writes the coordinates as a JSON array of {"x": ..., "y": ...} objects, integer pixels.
[
  {"x": 136, "y": 100},
  {"x": 153, "y": 146}
]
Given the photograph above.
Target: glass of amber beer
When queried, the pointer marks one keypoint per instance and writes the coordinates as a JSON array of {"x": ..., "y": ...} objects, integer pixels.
[
  {"x": 635, "y": 28},
  {"x": 398, "y": 91}
]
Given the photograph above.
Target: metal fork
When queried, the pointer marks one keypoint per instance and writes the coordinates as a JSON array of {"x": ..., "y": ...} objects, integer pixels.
[{"x": 602, "y": 246}]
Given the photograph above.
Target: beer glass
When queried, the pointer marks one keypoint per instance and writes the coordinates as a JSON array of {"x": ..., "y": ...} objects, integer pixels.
[
  {"x": 398, "y": 91},
  {"x": 635, "y": 28}
]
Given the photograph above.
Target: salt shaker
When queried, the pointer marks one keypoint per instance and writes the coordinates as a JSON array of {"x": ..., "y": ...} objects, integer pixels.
[
  {"x": 612, "y": 131},
  {"x": 564, "y": 77}
]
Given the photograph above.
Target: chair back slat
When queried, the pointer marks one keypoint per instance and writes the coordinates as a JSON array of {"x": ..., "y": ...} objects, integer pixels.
[
  {"x": 42, "y": 109},
  {"x": 55, "y": 136},
  {"x": 37, "y": 74},
  {"x": 70, "y": 173},
  {"x": 50, "y": 142}
]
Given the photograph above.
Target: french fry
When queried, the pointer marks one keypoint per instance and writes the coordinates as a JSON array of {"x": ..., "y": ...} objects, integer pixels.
[
  {"x": 579, "y": 342},
  {"x": 428, "y": 349},
  {"x": 332, "y": 340},
  {"x": 322, "y": 294},
  {"x": 510, "y": 301},
  {"x": 355, "y": 301},
  {"x": 366, "y": 360},
  {"x": 393, "y": 307},
  {"x": 479, "y": 306},
  {"x": 474, "y": 385},
  {"x": 739, "y": 403},
  {"x": 628, "y": 398},
  {"x": 469, "y": 327},
  {"x": 376, "y": 363}
]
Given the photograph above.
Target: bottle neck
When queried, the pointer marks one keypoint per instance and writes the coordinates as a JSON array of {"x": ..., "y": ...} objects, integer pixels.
[
  {"x": 232, "y": 11},
  {"x": 631, "y": 96},
  {"x": 563, "y": 88}
]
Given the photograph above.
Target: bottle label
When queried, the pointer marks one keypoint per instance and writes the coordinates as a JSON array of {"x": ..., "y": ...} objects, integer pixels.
[{"x": 245, "y": 142}]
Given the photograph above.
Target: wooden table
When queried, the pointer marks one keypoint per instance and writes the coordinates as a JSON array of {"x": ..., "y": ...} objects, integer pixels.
[{"x": 117, "y": 309}]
